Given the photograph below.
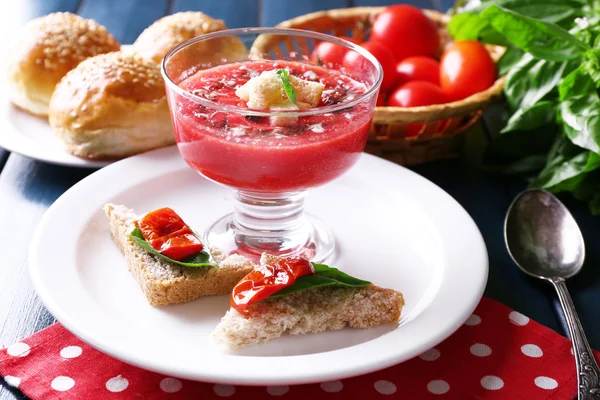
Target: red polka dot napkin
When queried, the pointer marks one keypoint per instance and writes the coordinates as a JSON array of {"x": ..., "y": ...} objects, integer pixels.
[{"x": 496, "y": 354}]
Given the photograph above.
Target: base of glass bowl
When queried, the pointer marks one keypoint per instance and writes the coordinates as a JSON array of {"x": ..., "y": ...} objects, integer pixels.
[{"x": 275, "y": 225}]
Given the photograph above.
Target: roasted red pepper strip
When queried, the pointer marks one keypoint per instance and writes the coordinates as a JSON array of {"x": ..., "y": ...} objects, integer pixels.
[
  {"x": 267, "y": 280},
  {"x": 166, "y": 232}
]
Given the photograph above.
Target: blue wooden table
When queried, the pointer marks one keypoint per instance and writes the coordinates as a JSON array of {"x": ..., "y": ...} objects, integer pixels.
[{"x": 28, "y": 187}]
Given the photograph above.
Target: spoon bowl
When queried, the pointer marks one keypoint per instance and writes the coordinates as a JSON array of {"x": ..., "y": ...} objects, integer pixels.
[{"x": 542, "y": 236}]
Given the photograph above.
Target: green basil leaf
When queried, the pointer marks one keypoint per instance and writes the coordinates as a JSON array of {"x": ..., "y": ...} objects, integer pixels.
[
  {"x": 591, "y": 65},
  {"x": 287, "y": 86},
  {"x": 581, "y": 117},
  {"x": 562, "y": 12},
  {"x": 531, "y": 80},
  {"x": 337, "y": 275},
  {"x": 541, "y": 39},
  {"x": 525, "y": 119},
  {"x": 565, "y": 163},
  {"x": 562, "y": 149},
  {"x": 509, "y": 59},
  {"x": 594, "y": 204},
  {"x": 469, "y": 26},
  {"x": 578, "y": 82},
  {"x": 587, "y": 186},
  {"x": 200, "y": 259},
  {"x": 324, "y": 276}
]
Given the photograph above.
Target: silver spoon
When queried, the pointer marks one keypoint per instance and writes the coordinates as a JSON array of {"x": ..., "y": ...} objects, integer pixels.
[{"x": 545, "y": 242}]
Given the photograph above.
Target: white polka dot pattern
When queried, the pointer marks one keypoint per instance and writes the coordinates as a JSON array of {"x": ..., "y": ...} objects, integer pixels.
[
  {"x": 385, "y": 387},
  {"x": 117, "y": 384},
  {"x": 479, "y": 345},
  {"x": 62, "y": 383},
  {"x": 438, "y": 386},
  {"x": 491, "y": 382},
  {"x": 278, "y": 390},
  {"x": 480, "y": 350},
  {"x": 332, "y": 386},
  {"x": 543, "y": 382},
  {"x": 430, "y": 355},
  {"x": 18, "y": 350},
  {"x": 224, "y": 390},
  {"x": 12, "y": 381},
  {"x": 170, "y": 385},
  {"x": 473, "y": 320},
  {"x": 518, "y": 319},
  {"x": 532, "y": 350},
  {"x": 71, "y": 352}
]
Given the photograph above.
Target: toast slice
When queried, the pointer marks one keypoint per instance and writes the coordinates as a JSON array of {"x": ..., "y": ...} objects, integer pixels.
[
  {"x": 309, "y": 311},
  {"x": 167, "y": 283}
]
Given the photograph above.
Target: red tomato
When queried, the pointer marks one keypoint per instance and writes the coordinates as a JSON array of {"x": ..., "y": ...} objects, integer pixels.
[
  {"x": 406, "y": 31},
  {"x": 416, "y": 94},
  {"x": 166, "y": 232},
  {"x": 267, "y": 280},
  {"x": 331, "y": 54},
  {"x": 466, "y": 68},
  {"x": 418, "y": 68},
  {"x": 355, "y": 62}
]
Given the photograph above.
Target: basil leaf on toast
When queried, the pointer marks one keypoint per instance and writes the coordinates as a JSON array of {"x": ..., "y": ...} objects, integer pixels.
[
  {"x": 200, "y": 259},
  {"x": 325, "y": 277}
]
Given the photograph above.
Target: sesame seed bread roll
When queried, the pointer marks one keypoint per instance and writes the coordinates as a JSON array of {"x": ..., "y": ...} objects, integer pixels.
[
  {"x": 164, "y": 34},
  {"x": 112, "y": 106},
  {"x": 46, "y": 49}
]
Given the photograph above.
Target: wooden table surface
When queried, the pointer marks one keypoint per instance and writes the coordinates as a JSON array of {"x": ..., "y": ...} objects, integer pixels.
[{"x": 29, "y": 187}]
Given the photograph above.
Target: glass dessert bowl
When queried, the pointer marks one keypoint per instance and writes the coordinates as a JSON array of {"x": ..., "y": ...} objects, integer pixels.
[{"x": 270, "y": 124}]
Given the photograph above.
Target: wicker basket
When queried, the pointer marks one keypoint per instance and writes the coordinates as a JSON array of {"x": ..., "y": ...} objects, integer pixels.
[{"x": 441, "y": 126}]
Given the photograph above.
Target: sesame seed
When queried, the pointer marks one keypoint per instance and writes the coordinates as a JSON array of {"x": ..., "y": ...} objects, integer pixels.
[{"x": 68, "y": 38}]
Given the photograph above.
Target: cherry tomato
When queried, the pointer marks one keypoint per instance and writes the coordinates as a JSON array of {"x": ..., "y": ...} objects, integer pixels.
[
  {"x": 406, "y": 31},
  {"x": 418, "y": 68},
  {"x": 330, "y": 54},
  {"x": 466, "y": 68},
  {"x": 416, "y": 94},
  {"x": 166, "y": 232},
  {"x": 355, "y": 62},
  {"x": 267, "y": 280}
]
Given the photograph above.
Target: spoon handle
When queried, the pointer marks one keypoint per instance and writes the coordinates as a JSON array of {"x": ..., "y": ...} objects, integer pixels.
[{"x": 588, "y": 373}]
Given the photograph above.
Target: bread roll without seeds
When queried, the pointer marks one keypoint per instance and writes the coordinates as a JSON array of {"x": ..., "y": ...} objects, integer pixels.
[
  {"x": 112, "y": 106},
  {"x": 47, "y": 48}
]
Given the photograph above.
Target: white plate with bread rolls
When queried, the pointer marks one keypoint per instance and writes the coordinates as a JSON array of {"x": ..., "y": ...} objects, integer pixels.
[
  {"x": 393, "y": 228},
  {"x": 73, "y": 95}
]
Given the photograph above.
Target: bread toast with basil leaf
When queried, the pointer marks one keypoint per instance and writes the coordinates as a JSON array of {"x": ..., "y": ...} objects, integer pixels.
[
  {"x": 328, "y": 300},
  {"x": 166, "y": 281}
]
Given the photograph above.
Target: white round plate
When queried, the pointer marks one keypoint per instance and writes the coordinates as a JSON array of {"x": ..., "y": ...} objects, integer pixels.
[
  {"x": 393, "y": 227},
  {"x": 32, "y": 136}
]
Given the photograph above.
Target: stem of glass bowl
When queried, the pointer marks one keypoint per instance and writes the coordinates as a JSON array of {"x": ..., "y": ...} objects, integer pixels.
[
  {"x": 273, "y": 215},
  {"x": 274, "y": 223}
]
